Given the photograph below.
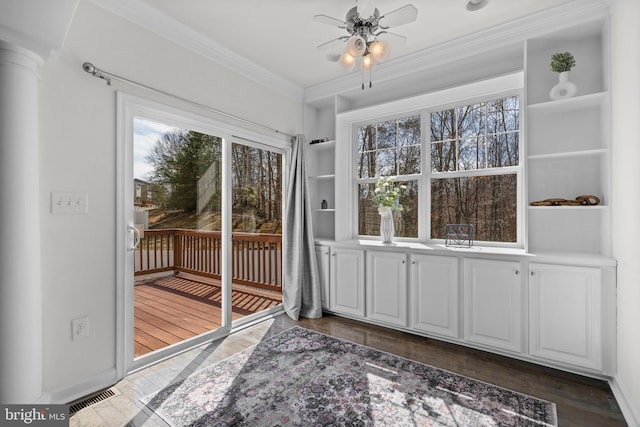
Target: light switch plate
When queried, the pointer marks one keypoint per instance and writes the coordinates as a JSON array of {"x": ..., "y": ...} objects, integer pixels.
[{"x": 66, "y": 203}]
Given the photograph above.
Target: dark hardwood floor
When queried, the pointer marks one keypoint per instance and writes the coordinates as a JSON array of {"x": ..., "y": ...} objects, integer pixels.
[{"x": 580, "y": 401}]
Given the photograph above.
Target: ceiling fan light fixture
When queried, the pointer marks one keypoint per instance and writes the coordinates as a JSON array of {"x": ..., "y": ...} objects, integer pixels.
[
  {"x": 367, "y": 63},
  {"x": 474, "y": 5},
  {"x": 356, "y": 45},
  {"x": 347, "y": 61},
  {"x": 380, "y": 50}
]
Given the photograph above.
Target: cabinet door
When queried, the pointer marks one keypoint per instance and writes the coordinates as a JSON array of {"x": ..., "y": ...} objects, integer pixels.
[
  {"x": 493, "y": 303},
  {"x": 322, "y": 256},
  {"x": 566, "y": 314},
  {"x": 347, "y": 281},
  {"x": 387, "y": 287},
  {"x": 434, "y": 294}
]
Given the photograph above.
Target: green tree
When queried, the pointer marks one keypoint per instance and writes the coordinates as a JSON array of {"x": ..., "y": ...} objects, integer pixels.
[{"x": 182, "y": 160}]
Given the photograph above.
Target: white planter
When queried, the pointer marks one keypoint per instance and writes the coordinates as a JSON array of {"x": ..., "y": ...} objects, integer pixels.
[{"x": 564, "y": 88}]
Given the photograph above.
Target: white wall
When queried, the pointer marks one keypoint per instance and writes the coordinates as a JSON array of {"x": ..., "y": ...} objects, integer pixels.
[
  {"x": 626, "y": 200},
  {"x": 77, "y": 149}
]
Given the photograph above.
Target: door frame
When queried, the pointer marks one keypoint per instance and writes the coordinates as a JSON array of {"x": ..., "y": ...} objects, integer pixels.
[{"x": 129, "y": 106}]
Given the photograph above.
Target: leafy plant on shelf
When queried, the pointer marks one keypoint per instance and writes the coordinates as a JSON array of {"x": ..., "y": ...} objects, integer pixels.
[
  {"x": 387, "y": 193},
  {"x": 562, "y": 61}
]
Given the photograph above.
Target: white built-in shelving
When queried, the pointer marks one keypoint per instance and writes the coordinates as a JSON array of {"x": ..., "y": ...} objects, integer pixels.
[
  {"x": 568, "y": 144},
  {"x": 321, "y": 174}
]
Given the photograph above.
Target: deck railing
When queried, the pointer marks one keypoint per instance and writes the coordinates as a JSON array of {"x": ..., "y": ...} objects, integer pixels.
[{"x": 256, "y": 259}]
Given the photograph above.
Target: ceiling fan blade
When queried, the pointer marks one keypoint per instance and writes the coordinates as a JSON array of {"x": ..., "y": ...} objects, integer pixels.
[
  {"x": 333, "y": 57},
  {"x": 334, "y": 46},
  {"x": 400, "y": 16},
  {"x": 334, "y": 22},
  {"x": 395, "y": 40}
]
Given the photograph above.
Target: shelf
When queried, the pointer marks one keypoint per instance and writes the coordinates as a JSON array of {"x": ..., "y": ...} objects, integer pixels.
[
  {"x": 565, "y": 208},
  {"x": 322, "y": 145},
  {"x": 322, "y": 177},
  {"x": 325, "y": 210},
  {"x": 568, "y": 104},
  {"x": 569, "y": 154}
]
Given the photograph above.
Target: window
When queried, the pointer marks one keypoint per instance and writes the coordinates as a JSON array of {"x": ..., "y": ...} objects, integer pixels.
[
  {"x": 460, "y": 162},
  {"x": 475, "y": 169},
  {"x": 389, "y": 148}
]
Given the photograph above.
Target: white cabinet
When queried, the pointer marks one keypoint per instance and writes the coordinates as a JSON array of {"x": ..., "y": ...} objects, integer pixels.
[
  {"x": 493, "y": 303},
  {"x": 347, "y": 281},
  {"x": 322, "y": 256},
  {"x": 386, "y": 287},
  {"x": 565, "y": 314},
  {"x": 434, "y": 294}
]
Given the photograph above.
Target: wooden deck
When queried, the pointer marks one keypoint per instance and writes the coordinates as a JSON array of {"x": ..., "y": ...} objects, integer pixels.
[{"x": 171, "y": 309}]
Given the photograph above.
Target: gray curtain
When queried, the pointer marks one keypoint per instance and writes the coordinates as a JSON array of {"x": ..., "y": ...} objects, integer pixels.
[{"x": 301, "y": 295}]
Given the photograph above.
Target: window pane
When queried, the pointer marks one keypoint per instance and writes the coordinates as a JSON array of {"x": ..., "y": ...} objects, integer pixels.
[
  {"x": 409, "y": 131},
  {"x": 366, "y": 164},
  {"x": 409, "y": 160},
  {"x": 487, "y": 202},
  {"x": 494, "y": 123},
  {"x": 443, "y": 156},
  {"x": 386, "y": 135},
  {"x": 386, "y": 163},
  {"x": 406, "y": 221},
  {"x": 472, "y": 154},
  {"x": 503, "y": 115},
  {"x": 442, "y": 125},
  {"x": 366, "y": 138},
  {"x": 389, "y": 148},
  {"x": 470, "y": 119},
  {"x": 502, "y": 150}
]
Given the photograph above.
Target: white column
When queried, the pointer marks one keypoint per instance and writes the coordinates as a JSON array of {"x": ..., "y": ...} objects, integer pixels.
[{"x": 20, "y": 281}]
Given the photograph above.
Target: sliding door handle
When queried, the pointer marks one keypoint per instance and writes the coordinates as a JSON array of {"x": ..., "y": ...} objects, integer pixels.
[{"x": 136, "y": 237}]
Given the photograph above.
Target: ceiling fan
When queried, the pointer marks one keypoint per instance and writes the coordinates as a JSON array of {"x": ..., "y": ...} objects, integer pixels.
[{"x": 368, "y": 38}]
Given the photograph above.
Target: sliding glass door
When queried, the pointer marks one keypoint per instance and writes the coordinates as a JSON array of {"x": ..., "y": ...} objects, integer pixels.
[
  {"x": 256, "y": 200},
  {"x": 178, "y": 223},
  {"x": 199, "y": 230}
]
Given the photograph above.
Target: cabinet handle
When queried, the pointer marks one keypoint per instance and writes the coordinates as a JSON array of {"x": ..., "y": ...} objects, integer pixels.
[
  {"x": 413, "y": 262},
  {"x": 533, "y": 273},
  {"x": 517, "y": 272},
  {"x": 403, "y": 261}
]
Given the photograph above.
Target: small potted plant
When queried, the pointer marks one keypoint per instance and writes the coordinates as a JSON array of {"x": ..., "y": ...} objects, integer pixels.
[
  {"x": 562, "y": 63},
  {"x": 387, "y": 197}
]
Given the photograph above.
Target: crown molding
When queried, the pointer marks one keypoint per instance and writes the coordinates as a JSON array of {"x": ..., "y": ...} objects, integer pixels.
[
  {"x": 547, "y": 21},
  {"x": 41, "y": 27},
  {"x": 167, "y": 27}
]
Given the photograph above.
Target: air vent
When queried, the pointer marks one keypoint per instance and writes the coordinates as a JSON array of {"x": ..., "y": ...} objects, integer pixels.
[{"x": 91, "y": 400}]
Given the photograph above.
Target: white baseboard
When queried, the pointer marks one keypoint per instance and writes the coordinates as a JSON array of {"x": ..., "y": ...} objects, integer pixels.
[
  {"x": 629, "y": 410},
  {"x": 83, "y": 388}
]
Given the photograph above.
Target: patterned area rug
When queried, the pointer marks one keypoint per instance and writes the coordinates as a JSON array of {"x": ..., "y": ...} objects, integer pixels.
[{"x": 303, "y": 378}]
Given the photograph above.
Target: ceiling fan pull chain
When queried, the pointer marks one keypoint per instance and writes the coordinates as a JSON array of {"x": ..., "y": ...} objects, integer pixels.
[{"x": 370, "y": 67}]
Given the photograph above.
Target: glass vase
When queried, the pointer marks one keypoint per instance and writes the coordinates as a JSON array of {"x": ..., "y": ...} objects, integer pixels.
[{"x": 387, "y": 229}]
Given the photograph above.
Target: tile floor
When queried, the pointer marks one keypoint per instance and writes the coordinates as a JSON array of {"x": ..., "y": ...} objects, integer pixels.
[{"x": 125, "y": 408}]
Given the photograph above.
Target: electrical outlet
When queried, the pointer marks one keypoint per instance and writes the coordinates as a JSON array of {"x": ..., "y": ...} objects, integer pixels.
[
  {"x": 69, "y": 203},
  {"x": 80, "y": 328}
]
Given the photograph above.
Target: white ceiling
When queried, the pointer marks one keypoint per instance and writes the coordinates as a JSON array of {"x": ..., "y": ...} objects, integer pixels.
[{"x": 281, "y": 35}]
